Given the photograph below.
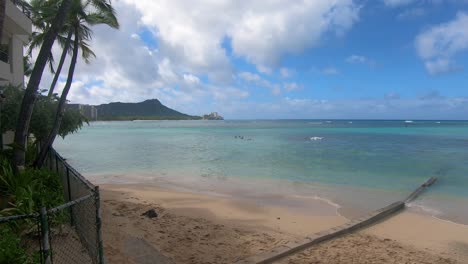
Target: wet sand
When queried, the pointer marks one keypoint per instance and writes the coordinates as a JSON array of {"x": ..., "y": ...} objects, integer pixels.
[{"x": 201, "y": 228}]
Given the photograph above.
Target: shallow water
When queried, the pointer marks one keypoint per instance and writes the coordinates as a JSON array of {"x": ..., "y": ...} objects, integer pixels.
[{"x": 357, "y": 164}]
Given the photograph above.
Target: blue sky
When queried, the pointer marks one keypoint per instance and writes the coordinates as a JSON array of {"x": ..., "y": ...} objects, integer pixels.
[{"x": 389, "y": 59}]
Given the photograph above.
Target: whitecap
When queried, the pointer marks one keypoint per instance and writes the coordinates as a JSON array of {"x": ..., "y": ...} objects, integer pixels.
[
  {"x": 408, "y": 121},
  {"x": 316, "y": 138}
]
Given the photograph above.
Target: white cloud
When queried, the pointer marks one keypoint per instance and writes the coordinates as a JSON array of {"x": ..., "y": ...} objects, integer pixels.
[
  {"x": 286, "y": 73},
  {"x": 260, "y": 31},
  {"x": 250, "y": 77},
  {"x": 356, "y": 59},
  {"x": 191, "y": 79},
  {"x": 189, "y": 40},
  {"x": 412, "y": 13},
  {"x": 439, "y": 44},
  {"x": 360, "y": 59},
  {"x": 253, "y": 78},
  {"x": 291, "y": 86},
  {"x": 440, "y": 66}
]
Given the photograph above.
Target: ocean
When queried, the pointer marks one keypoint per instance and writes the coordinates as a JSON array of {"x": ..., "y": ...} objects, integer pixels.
[{"x": 354, "y": 165}]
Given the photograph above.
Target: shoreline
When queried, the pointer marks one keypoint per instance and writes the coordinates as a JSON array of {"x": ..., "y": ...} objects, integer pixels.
[
  {"x": 279, "y": 224},
  {"x": 346, "y": 200}
]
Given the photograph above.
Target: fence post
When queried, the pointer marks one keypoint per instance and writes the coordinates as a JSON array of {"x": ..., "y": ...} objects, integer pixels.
[
  {"x": 56, "y": 163},
  {"x": 72, "y": 222},
  {"x": 45, "y": 236},
  {"x": 97, "y": 201}
]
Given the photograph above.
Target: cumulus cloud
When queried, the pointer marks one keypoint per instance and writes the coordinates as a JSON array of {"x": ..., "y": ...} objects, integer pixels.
[
  {"x": 439, "y": 44},
  {"x": 127, "y": 70},
  {"x": 260, "y": 31},
  {"x": 188, "y": 67}
]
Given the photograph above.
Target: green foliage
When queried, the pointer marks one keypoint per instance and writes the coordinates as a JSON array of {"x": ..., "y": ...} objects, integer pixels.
[
  {"x": 30, "y": 190},
  {"x": 43, "y": 115},
  {"x": 10, "y": 247}
]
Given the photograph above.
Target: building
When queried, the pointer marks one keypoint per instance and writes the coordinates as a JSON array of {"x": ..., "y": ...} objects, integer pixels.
[
  {"x": 17, "y": 29},
  {"x": 213, "y": 116},
  {"x": 89, "y": 111}
]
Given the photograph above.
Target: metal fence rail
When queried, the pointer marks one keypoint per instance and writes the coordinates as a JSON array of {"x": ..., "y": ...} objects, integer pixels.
[{"x": 69, "y": 233}]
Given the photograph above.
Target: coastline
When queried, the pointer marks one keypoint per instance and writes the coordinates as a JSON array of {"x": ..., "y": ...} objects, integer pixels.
[
  {"x": 347, "y": 201},
  {"x": 265, "y": 226}
]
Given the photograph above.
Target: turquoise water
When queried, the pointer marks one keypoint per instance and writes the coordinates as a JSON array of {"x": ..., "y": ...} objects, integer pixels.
[{"x": 392, "y": 156}]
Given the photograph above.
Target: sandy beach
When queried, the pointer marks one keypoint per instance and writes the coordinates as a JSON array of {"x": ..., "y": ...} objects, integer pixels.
[{"x": 202, "y": 228}]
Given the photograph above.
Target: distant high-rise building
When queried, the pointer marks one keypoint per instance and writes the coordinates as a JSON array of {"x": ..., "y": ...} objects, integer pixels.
[{"x": 89, "y": 111}]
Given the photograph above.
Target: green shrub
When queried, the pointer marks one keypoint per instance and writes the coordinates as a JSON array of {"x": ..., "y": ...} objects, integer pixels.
[
  {"x": 30, "y": 190},
  {"x": 43, "y": 115},
  {"x": 10, "y": 248}
]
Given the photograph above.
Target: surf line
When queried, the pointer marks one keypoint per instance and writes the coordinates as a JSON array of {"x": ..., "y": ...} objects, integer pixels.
[{"x": 351, "y": 226}]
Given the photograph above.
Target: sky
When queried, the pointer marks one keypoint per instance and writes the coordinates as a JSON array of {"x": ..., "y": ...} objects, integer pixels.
[{"x": 275, "y": 59}]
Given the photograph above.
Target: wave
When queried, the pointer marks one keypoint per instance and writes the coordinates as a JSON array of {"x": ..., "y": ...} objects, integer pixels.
[
  {"x": 425, "y": 209},
  {"x": 316, "y": 138},
  {"x": 409, "y": 121},
  {"x": 319, "y": 198}
]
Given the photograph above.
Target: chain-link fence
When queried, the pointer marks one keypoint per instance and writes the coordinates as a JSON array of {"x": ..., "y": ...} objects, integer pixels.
[{"x": 69, "y": 233}]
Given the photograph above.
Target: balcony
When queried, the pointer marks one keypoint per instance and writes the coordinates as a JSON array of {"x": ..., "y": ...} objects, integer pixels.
[
  {"x": 17, "y": 18},
  {"x": 23, "y": 7}
]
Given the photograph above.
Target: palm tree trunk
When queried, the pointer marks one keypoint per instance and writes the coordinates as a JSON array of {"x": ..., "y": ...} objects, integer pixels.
[
  {"x": 62, "y": 60},
  {"x": 31, "y": 93},
  {"x": 2, "y": 17},
  {"x": 47, "y": 143}
]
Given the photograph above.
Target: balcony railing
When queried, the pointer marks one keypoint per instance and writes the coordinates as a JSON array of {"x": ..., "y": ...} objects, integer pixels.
[{"x": 23, "y": 6}]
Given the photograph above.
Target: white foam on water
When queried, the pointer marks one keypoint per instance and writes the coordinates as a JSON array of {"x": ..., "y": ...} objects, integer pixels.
[
  {"x": 425, "y": 209},
  {"x": 316, "y": 138},
  {"x": 319, "y": 198},
  {"x": 409, "y": 121}
]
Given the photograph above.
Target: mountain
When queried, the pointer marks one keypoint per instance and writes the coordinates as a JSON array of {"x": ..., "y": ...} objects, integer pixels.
[{"x": 147, "y": 110}]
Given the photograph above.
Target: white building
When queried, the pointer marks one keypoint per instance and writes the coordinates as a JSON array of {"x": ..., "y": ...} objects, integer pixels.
[{"x": 17, "y": 29}]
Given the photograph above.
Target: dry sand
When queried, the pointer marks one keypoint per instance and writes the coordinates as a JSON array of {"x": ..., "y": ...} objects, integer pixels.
[{"x": 200, "y": 228}]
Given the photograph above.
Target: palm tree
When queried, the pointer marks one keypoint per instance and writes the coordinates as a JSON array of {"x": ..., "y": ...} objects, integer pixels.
[
  {"x": 41, "y": 12},
  {"x": 31, "y": 92},
  {"x": 82, "y": 14}
]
